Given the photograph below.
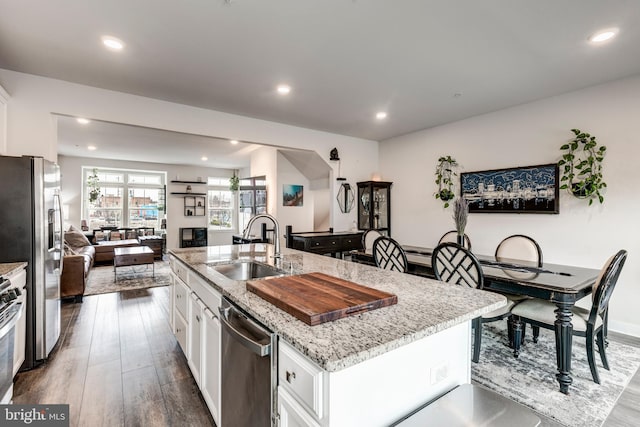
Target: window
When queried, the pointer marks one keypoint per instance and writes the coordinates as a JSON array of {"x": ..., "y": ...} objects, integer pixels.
[
  {"x": 253, "y": 199},
  {"x": 221, "y": 205},
  {"x": 143, "y": 205}
]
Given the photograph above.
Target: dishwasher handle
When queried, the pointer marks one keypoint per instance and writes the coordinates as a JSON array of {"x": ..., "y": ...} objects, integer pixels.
[{"x": 256, "y": 347}]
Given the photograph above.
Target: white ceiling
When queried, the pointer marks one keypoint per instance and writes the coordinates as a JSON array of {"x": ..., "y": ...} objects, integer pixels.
[
  {"x": 345, "y": 60},
  {"x": 136, "y": 143}
]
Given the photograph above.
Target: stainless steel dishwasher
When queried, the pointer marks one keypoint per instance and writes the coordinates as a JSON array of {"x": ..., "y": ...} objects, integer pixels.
[{"x": 248, "y": 370}]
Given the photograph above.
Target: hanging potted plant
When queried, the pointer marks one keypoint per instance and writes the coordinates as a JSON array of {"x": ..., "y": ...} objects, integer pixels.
[
  {"x": 581, "y": 167},
  {"x": 93, "y": 182},
  {"x": 234, "y": 182},
  {"x": 444, "y": 178}
]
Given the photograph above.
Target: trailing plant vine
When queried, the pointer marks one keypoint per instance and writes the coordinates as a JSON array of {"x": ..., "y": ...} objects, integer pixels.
[
  {"x": 581, "y": 167},
  {"x": 234, "y": 182},
  {"x": 93, "y": 182},
  {"x": 444, "y": 178}
]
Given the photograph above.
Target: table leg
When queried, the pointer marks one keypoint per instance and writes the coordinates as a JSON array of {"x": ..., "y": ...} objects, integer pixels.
[{"x": 564, "y": 338}]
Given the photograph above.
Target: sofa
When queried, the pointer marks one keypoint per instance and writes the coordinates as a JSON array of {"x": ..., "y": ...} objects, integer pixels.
[{"x": 79, "y": 256}]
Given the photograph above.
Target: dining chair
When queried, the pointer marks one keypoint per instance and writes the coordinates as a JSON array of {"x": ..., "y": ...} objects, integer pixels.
[
  {"x": 519, "y": 247},
  {"x": 586, "y": 323},
  {"x": 452, "y": 263},
  {"x": 389, "y": 255},
  {"x": 368, "y": 238},
  {"x": 452, "y": 236}
]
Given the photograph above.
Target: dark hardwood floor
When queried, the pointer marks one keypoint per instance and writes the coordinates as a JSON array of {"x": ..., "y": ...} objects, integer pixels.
[{"x": 118, "y": 364}]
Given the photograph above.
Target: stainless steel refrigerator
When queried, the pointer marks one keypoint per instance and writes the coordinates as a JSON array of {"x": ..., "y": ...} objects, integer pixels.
[{"x": 31, "y": 230}]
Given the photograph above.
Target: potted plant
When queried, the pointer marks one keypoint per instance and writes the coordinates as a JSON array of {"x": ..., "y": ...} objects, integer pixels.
[
  {"x": 444, "y": 178},
  {"x": 93, "y": 182},
  {"x": 234, "y": 182},
  {"x": 581, "y": 167},
  {"x": 460, "y": 216}
]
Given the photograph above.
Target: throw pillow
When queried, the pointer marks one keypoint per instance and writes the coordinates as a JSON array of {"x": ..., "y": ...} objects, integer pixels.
[{"x": 76, "y": 239}]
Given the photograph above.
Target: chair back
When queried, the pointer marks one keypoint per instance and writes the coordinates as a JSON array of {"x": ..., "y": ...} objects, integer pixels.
[
  {"x": 389, "y": 255},
  {"x": 605, "y": 284},
  {"x": 368, "y": 238},
  {"x": 521, "y": 247},
  {"x": 452, "y": 263},
  {"x": 452, "y": 236}
]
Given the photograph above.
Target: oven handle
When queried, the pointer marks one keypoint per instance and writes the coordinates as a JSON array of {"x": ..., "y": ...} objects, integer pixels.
[{"x": 11, "y": 320}]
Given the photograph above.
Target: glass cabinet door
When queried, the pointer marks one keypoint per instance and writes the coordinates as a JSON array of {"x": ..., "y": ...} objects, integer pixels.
[{"x": 374, "y": 206}]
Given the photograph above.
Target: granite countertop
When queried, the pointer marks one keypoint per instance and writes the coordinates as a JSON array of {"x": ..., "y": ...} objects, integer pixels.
[
  {"x": 424, "y": 306},
  {"x": 7, "y": 268}
]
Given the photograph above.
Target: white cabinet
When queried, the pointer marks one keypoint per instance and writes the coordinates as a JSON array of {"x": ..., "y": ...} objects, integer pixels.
[
  {"x": 196, "y": 327},
  {"x": 301, "y": 378},
  {"x": 291, "y": 413},
  {"x": 210, "y": 374},
  {"x": 18, "y": 279}
]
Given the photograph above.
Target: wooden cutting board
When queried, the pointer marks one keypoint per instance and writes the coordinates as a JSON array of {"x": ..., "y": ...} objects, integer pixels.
[{"x": 317, "y": 298}]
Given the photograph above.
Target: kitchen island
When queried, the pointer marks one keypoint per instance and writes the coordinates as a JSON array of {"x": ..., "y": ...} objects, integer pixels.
[{"x": 371, "y": 368}]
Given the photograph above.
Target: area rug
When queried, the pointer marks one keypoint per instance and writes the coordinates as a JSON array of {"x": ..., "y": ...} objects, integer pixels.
[
  {"x": 531, "y": 380},
  {"x": 135, "y": 277}
]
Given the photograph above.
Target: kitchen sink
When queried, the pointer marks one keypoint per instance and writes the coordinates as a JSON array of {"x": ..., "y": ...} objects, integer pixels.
[{"x": 247, "y": 270}]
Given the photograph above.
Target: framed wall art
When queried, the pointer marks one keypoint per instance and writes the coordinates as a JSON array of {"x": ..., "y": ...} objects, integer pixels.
[
  {"x": 292, "y": 195},
  {"x": 529, "y": 189}
]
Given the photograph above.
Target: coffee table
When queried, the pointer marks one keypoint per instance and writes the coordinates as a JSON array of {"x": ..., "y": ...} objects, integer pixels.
[{"x": 130, "y": 256}]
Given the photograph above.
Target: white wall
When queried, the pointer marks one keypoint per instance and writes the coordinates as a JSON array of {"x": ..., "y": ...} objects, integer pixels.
[
  {"x": 526, "y": 135},
  {"x": 300, "y": 217},
  {"x": 71, "y": 182},
  {"x": 31, "y": 128}
]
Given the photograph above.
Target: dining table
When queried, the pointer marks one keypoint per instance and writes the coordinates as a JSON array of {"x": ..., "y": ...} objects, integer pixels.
[{"x": 561, "y": 284}]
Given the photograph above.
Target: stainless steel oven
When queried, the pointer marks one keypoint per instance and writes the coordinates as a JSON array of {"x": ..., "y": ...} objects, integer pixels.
[{"x": 10, "y": 310}]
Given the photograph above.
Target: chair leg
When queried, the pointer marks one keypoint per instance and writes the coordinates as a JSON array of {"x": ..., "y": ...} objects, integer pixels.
[
  {"x": 517, "y": 335},
  {"x": 536, "y": 333},
  {"x": 602, "y": 346},
  {"x": 477, "y": 341},
  {"x": 591, "y": 356}
]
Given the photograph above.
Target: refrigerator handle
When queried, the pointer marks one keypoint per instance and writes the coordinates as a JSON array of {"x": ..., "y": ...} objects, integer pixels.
[{"x": 59, "y": 244}]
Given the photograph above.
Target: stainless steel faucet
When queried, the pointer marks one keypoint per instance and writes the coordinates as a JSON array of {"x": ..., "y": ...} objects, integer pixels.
[{"x": 276, "y": 231}]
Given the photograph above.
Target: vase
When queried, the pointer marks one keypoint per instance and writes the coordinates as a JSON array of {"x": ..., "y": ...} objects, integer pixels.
[{"x": 460, "y": 240}]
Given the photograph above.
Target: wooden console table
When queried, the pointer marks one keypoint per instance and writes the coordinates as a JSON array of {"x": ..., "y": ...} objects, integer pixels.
[{"x": 325, "y": 242}]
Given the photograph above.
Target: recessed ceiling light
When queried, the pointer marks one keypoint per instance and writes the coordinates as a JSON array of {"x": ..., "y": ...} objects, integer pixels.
[
  {"x": 82, "y": 121},
  {"x": 284, "y": 89},
  {"x": 234, "y": 142},
  {"x": 204, "y": 159},
  {"x": 381, "y": 115},
  {"x": 604, "y": 35},
  {"x": 112, "y": 43},
  {"x": 91, "y": 147}
]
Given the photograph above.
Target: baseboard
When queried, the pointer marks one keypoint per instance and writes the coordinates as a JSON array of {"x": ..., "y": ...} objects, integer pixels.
[{"x": 626, "y": 328}]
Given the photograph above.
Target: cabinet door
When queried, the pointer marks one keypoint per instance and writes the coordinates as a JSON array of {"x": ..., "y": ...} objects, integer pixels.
[
  {"x": 291, "y": 414},
  {"x": 211, "y": 351},
  {"x": 194, "y": 355},
  {"x": 19, "y": 279}
]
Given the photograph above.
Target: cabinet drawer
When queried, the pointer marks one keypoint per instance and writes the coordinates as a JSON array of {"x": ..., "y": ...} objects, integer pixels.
[
  {"x": 180, "y": 331},
  {"x": 300, "y": 378},
  {"x": 181, "y": 295},
  {"x": 291, "y": 413},
  {"x": 179, "y": 269},
  {"x": 209, "y": 296}
]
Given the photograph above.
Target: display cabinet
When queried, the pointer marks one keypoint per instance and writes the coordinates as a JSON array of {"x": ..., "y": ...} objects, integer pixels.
[{"x": 374, "y": 206}]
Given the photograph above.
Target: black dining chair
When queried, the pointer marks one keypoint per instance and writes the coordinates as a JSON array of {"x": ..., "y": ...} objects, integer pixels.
[
  {"x": 368, "y": 238},
  {"x": 452, "y": 263},
  {"x": 519, "y": 247},
  {"x": 452, "y": 236},
  {"x": 586, "y": 323},
  {"x": 389, "y": 255}
]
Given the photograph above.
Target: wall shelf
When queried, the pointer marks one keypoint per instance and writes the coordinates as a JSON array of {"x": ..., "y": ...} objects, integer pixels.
[
  {"x": 189, "y": 194},
  {"x": 188, "y": 182}
]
